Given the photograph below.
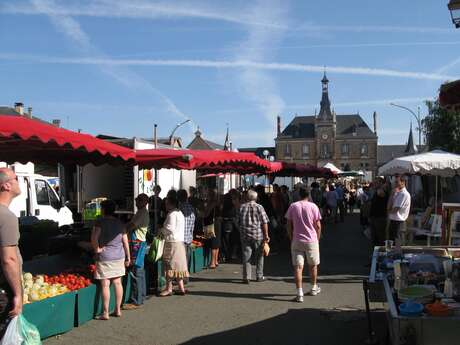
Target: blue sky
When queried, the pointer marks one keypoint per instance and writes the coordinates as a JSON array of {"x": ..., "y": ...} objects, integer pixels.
[{"x": 118, "y": 67}]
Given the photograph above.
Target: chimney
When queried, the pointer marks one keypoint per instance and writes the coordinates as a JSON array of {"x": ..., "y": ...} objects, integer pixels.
[
  {"x": 29, "y": 112},
  {"x": 375, "y": 122},
  {"x": 19, "y": 108},
  {"x": 278, "y": 126},
  {"x": 56, "y": 122}
]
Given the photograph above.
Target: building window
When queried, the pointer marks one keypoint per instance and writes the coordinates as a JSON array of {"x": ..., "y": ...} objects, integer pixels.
[
  {"x": 325, "y": 151},
  {"x": 305, "y": 150},
  {"x": 363, "y": 150},
  {"x": 345, "y": 149},
  {"x": 287, "y": 150}
]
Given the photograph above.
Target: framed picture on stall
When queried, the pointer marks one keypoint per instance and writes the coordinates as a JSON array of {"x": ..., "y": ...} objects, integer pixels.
[{"x": 450, "y": 222}]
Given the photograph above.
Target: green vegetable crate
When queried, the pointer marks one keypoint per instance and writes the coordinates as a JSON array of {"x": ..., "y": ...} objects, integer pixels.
[{"x": 54, "y": 315}]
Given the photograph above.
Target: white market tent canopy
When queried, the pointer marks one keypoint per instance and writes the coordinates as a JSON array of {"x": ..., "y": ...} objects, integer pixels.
[
  {"x": 434, "y": 163},
  {"x": 332, "y": 167}
]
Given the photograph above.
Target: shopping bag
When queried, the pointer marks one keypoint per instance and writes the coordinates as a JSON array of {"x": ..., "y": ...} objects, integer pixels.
[
  {"x": 156, "y": 249},
  {"x": 21, "y": 332},
  {"x": 266, "y": 249},
  {"x": 12, "y": 335},
  {"x": 29, "y": 332}
]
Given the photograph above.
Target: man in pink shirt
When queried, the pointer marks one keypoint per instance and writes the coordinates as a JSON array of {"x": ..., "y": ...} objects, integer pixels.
[{"x": 304, "y": 231}]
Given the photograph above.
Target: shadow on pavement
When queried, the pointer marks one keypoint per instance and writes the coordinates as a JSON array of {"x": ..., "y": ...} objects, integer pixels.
[{"x": 300, "y": 327}]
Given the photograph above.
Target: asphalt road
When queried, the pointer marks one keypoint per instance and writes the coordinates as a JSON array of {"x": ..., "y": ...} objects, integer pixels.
[{"x": 221, "y": 310}]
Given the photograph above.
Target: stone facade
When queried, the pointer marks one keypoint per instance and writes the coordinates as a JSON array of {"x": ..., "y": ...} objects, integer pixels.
[{"x": 344, "y": 140}]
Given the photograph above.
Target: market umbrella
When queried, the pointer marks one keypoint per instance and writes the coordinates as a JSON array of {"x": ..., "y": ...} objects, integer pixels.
[
  {"x": 434, "y": 163},
  {"x": 332, "y": 167},
  {"x": 24, "y": 139}
]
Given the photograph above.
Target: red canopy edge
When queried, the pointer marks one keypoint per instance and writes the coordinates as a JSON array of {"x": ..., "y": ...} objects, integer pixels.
[
  {"x": 205, "y": 160},
  {"x": 284, "y": 169},
  {"x": 23, "y": 139}
]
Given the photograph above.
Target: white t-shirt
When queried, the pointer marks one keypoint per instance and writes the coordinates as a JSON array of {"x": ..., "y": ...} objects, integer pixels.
[
  {"x": 174, "y": 227},
  {"x": 402, "y": 200}
]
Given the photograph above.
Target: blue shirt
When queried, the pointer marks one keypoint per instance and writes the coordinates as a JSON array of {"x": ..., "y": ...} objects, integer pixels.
[{"x": 339, "y": 192}]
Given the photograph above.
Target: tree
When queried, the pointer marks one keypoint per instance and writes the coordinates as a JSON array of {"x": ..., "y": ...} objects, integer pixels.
[{"x": 442, "y": 128}]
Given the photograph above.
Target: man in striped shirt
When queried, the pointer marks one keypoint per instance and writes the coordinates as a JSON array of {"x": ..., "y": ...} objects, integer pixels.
[{"x": 253, "y": 222}]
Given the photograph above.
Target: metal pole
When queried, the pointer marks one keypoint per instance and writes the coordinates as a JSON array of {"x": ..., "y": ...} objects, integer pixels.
[
  {"x": 417, "y": 118},
  {"x": 174, "y": 130},
  {"x": 372, "y": 339},
  {"x": 155, "y": 176}
]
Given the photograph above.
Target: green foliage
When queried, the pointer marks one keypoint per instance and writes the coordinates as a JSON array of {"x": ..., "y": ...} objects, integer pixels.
[{"x": 442, "y": 128}]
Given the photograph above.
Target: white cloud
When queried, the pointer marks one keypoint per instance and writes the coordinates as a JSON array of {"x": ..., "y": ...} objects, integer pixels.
[
  {"x": 237, "y": 64},
  {"x": 140, "y": 9},
  {"x": 72, "y": 29},
  {"x": 312, "y": 27},
  {"x": 257, "y": 84}
]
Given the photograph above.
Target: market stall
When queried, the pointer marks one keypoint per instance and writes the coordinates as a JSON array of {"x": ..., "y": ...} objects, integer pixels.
[
  {"x": 436, "y": 163},
  {"x": 23, "y": 139},
  {"x": 420, "y": 287}
]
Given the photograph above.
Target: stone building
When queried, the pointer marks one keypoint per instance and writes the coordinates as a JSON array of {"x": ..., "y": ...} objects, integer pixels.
[{"x": 344, "y": 140}]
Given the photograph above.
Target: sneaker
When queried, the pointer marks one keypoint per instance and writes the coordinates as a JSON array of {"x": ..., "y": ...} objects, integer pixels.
[
  {"x": 314, "y": 292},
  {"x": 246, "y": 281},
  {"x": 298, "y": 299},
  {"x": 260, "y": 279}
]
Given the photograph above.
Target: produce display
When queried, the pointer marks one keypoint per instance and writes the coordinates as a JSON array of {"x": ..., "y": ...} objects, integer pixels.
[
  {"x": 43, "y": 286},
  {"x": 36, "y": 288}
]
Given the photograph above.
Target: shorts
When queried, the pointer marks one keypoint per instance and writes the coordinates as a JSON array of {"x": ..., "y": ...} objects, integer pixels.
[{"x": 300, "y": 251}]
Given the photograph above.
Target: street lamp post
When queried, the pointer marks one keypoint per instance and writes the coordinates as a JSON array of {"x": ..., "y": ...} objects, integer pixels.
[
  {"x": 417, "y": 118},
  {"x": 174, "y": 130}
]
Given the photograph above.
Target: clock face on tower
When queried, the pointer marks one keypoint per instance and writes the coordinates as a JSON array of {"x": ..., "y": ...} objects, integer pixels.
[{"x": 324, "y": 136}]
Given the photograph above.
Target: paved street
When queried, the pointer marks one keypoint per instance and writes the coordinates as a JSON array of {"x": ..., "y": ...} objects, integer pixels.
[{"x": 221, "y": 310}]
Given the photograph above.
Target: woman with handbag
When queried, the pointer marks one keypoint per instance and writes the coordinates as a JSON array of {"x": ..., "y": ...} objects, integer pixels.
[
  {"x": 174, "y": 255},
  {"x": 211, "y": 228}
]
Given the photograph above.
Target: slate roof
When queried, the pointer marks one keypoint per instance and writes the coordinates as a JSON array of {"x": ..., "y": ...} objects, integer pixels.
[
  {"x": 303, "y": 127},
  {"x": 12, "y": 112},
  {"x": 198, "y": 142},
  {"x": 386, "y": 153},
  {"x": 258, "y": 151}
]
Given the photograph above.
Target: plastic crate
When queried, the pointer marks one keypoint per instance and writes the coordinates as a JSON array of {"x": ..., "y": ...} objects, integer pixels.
[{"x": 54, "y": 315}]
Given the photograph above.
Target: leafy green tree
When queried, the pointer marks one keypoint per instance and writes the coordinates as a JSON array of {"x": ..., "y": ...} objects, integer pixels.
[{"x": 442, "y": 128}]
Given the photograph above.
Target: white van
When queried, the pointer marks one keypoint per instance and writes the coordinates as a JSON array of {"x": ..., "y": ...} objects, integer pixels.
[{"x": 38, "y": 199}]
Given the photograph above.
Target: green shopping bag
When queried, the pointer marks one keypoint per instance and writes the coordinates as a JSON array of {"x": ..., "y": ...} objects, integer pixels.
[{"x": 156, "y": 249}]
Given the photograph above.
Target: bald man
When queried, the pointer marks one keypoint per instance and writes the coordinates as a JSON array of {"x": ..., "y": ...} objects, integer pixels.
[{"x": 10, "y": 257}]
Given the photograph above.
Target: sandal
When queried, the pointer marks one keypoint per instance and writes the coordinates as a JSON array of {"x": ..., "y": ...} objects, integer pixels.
[
  {"x": 101, "y": 317},
  {"x": 115, "y": 314},
  {"x": 166, "y": 294}
]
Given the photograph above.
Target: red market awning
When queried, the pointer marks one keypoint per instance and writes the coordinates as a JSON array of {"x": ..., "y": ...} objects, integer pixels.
[
  {"x": 284, "y": 169},
  {"x": 214, "y": 161},
  {"x": 23, "y": 139}
]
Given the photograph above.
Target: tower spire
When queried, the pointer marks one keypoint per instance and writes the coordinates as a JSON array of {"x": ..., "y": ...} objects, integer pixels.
[
  {"x": 325, "y": 113},
  {"x": 227, "y": 141},
  {"x": 411, "y": 149}
]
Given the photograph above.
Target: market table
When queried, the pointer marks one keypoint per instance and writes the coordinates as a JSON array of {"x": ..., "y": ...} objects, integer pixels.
[{"x": 423, "y": 329}]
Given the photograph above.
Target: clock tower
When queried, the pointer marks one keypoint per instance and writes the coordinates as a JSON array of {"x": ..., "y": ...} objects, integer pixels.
[{"x": 325, "y": 127}]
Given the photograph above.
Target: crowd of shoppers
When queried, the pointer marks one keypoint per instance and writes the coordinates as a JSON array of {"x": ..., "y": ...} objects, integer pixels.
[{"x": 239, "y": 226}]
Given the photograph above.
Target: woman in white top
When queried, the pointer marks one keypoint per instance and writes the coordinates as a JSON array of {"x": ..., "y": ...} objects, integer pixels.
[{"x": 174, "y": 255}]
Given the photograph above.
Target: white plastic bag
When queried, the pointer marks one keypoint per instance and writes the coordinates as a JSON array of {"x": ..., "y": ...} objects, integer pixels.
[{"x": 13, "y": 333}]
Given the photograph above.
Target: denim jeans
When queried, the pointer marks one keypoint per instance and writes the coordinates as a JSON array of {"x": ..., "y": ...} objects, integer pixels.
[
  {"x": 138, "y": 288},
  {"x": 188, "y": 254},
  {"x": 252, "y": 247}
]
